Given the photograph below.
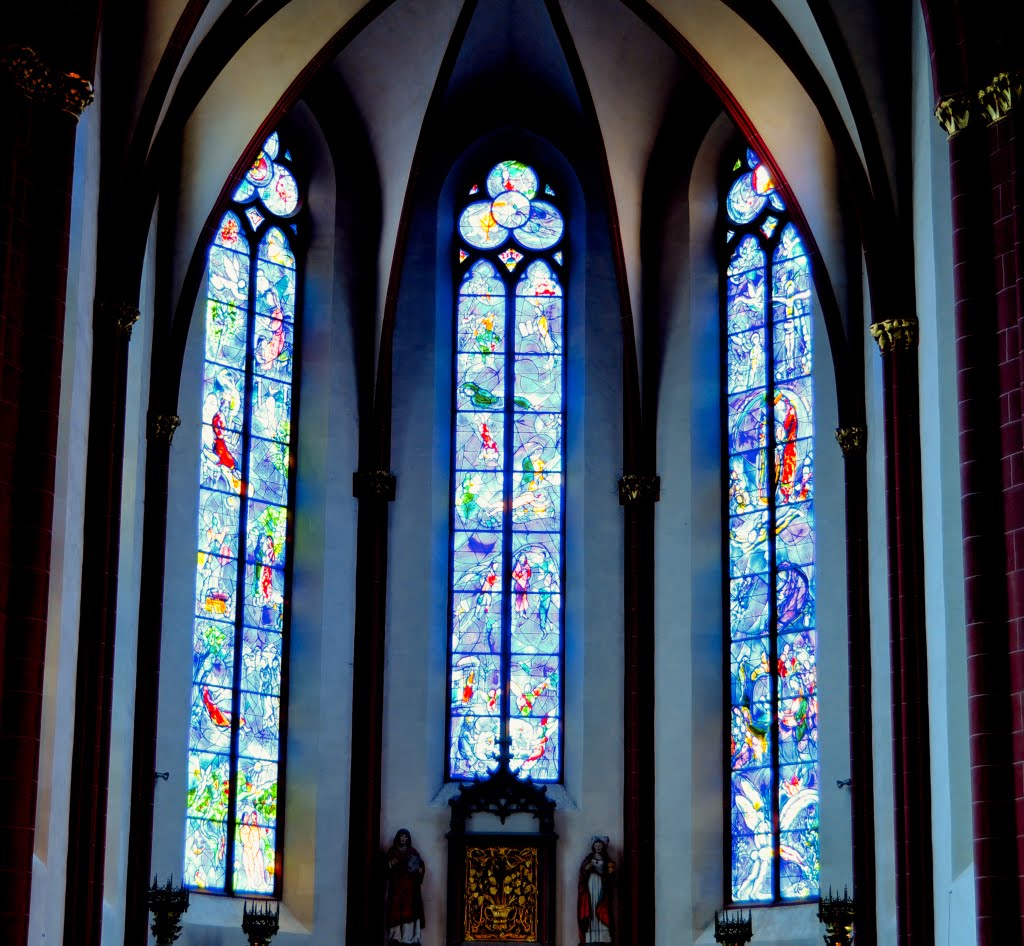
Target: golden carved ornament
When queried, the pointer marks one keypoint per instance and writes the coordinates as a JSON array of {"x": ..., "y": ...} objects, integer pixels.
[
  {"x": 122, "y": 315},
  {"x": 999, "y": 96},
  {"x": 162, "y": 427},
  {"x": 894, "y": 334},
  {"x": 501, "y": 895},
  {"x": 851, "y": 439},
  {"x": 954, "y": 113},
  {"x": 68, "y": 91},
  {"x": 639, "y": 488}
]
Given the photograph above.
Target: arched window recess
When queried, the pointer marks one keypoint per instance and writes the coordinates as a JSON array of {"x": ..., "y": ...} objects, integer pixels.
[
  {"x": 246, "y": 498},
  {"x": 507, "y": 523},
  {"x": 772, "y": 815}
]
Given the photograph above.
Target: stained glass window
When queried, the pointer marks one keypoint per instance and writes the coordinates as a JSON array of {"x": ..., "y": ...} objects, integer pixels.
[
  {"x": 507, "y": 535},
  {"x": 245, "y": 476},
  {"x": 773, "y": 810}
]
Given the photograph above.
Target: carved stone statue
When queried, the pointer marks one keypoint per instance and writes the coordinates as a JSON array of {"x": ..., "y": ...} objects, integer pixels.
[
  {"x": 594, "y": 894},
  {"x": 403, "y": 914}
]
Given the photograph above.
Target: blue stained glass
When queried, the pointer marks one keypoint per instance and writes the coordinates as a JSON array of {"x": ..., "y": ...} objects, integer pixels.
[
  {"x": 259, "y": 726},
  {"x": 535, "y": 626},
  {"x": 542, "y": 229},
  {"x": 535, "y": 685},
  {"x": 275, "y": 290},
  {"x": 537, "y": 500},
  {"x": 211, "y": 718},
  {"x": 512, "y": 176},
  {"x": 246, "y": 416},
  {"x": 479, "y": 228},
  {"x": 507, "y": 475},
  {"x": 538, "y": 325},
  {"x": 535, "y": 747},
  {"x": 209, "y": 775},
  {"x": 205, "y": 853},
  {"x": 226, "y": 332},
  {"x": 273, "y": 347},
  {"x": 478, "y": 500},
  {"x": 216, "y": 578},
  {"x": 229, "y": 276},
  {"x": 538, "y": 383},
  {"x": 743, "y": 201},
  {"x": 476, "y": 622},
  {"x": 479, "y": 438},
  {"x": 772, "y": 664},
  {"x": 477, "y": 560},
  {"x": 268, "y": 470},
  {"x": 261, "y": 661},
  {"x": 271, "y": 409},
  {"x": 481, "y": 323},
  {"x": 255, "y": 845},
  {"x": 218, "y": 523},
  {"x": 476, "y": 684},
  {"x": 473, "y": 750},
  {"x": 538, "y": 443}
]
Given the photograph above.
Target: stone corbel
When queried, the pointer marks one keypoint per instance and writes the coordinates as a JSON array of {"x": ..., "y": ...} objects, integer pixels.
[
  {"x": 162, "y": 427},
  {"x": 1001, "y": 94},
  {"x": 639, "y": 488},
  {"x": 894, "y": 334},
  {"x": 121, "y": 315},
  {"x": 68, "y": 91},
  {"x": 954, "y": 113},
  {"x": 374, "y": 484},
  {"x": 852, "y": 440}
]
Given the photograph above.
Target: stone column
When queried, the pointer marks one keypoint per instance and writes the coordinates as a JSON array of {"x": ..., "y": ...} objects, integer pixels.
[{"x": 43, "y": 91}]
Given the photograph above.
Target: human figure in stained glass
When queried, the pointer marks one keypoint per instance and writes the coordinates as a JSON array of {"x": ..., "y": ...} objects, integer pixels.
[
  {"x": 403, "y": 914},
  {"x": 594, "y": 894}
]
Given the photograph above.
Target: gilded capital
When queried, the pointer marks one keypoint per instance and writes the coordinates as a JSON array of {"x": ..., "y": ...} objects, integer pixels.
[
  {"x": 852, "y": 439},
  {"x": 162, "y": 427},
  {"x": 121, "y": 316},
  {"x": 374, "y": 484},
  {"x": 67, "y": 91},
  {"x": 1001, "y": 94},
  {"x": 639, "y": 488},
  {"x": 894, "y": 334},
  {"x": 953, "y": 113}
]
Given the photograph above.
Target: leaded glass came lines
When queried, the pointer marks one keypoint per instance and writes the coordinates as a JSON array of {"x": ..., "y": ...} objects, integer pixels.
[
  {"x": 773, "y": 813},
  {"x": 241, "y": 580},
  {"x": 507, "y": 483}
]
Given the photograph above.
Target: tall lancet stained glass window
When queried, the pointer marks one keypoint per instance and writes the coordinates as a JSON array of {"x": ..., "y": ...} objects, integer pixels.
[
  {"x": 507, "y": 487},
  {"x": 245, "y": 488},
  {"x": 773, "y": 811}
]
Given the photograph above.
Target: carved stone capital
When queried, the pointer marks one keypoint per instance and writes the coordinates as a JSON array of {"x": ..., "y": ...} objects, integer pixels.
[
  {"x": 67, "y": 91},
  {"x": 639, "y": 488},
  {"x": 373, "y": 484},
  {"x": 162, "y": 427},
  {"x": 1001, "y": 94},
  {"x": 953, "y": 113},
  {"x": 852, "y": 439},
  {"x": 121, "y": 315},
  {"x": 894, "y": 334}
]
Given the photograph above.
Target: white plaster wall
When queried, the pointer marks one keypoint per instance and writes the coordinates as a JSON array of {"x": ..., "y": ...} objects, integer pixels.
[
  {"x": 46, "y": 919},
  {"x": 320, "y": 670},
  {"x": 943, "y": 538},
  {"x": 689, "y": 726},
  {"x": 414, "y": 792},
  {"x": 122, "y": 715}
]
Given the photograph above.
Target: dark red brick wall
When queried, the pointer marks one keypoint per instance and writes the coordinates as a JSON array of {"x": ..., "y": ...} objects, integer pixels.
[{"x": 36, "y": 163}]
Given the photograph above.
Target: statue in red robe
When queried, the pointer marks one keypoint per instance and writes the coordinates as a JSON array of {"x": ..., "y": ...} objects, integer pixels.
[
  {"x": 594, "y": 894},
  {"x": 403, "y": 914}
]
